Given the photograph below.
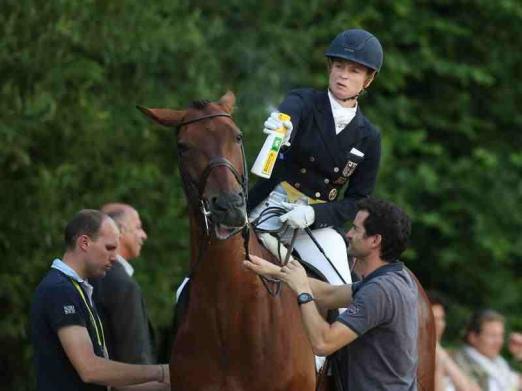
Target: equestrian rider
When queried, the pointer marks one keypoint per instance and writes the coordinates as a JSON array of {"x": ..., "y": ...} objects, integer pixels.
[{"x": 329, "y": 145}]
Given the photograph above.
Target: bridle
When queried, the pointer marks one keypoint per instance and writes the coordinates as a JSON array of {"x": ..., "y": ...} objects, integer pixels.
[{"x": 199, "y": 188}]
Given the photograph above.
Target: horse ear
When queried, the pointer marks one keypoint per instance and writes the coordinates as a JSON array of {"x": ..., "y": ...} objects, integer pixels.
[
  {"x": 166, "y": 117},
  {"x": 227, "y": 101}
]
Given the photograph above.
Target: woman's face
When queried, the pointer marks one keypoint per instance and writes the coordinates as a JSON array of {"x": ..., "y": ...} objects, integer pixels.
[
  {"x": 348, "y": 78},
  {"x": 440, "y": 320}
]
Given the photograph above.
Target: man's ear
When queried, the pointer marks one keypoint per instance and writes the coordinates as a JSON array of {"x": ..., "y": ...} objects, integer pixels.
[
  {"x": 376, "y": 240},
  {"x": 82, "y": 242}
]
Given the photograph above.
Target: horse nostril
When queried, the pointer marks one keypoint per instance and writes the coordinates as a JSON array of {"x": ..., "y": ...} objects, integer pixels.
[{"x": 218, "y": 204}]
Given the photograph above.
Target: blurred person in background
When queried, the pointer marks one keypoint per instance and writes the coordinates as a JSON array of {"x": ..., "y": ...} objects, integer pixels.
[
  {"x": 480, "y": 357},
  {"x": 448, "y": 376},
  {"x": 118, "y": 296},
  {"x": 515, "y": 345}
]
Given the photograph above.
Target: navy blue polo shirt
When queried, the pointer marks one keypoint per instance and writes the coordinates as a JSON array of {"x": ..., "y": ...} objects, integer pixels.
[{"x": 57, "y": 303}]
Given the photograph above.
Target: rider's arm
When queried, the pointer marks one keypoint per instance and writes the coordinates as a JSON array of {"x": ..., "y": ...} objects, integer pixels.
[
  {"x": 331, "y": 296},
  {"x": 78, "y": 347}
]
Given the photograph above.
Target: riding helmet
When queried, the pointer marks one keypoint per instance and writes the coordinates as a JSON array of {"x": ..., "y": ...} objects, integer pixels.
[{"x": 359, "y": 46}]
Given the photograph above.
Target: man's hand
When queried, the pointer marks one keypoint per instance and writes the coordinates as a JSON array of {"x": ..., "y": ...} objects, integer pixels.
[
  {"x": 263, "y": 267},
  {"x": 273, "y": 123},
  {"x": 299, "y": 216},
  {"x": 294, "y": 275}
]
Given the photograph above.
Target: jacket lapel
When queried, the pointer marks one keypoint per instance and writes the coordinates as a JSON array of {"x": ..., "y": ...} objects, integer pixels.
[{"x": 325, "y": 122}]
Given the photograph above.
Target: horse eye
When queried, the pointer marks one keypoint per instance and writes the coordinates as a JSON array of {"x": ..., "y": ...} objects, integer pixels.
[{"x": 239, "y": 138}]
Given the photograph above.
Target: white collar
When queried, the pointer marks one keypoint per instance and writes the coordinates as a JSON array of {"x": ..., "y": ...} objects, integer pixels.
[
  {"x": 126, "y": 265},
  {"x": 336, "y": 106},
  {"x": 342, "y": 116},
  {"x": 500, "y": 376},
  {"x": 60, "y": 265}
]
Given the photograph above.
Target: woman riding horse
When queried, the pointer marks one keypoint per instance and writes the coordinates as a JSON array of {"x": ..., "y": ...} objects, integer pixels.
[{"x": 239, "y": 332}]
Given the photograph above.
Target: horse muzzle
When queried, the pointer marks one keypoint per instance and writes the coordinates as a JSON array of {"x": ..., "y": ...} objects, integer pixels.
[{"x": 227, "y": 211}]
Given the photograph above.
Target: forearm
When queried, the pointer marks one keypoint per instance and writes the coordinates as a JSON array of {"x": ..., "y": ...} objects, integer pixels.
[
  {"x": 316, "y": 328},
  {"x": 330, "y": 296},
  {"x": 451, "y": 370},
  {"x": 113, "y": 373}
]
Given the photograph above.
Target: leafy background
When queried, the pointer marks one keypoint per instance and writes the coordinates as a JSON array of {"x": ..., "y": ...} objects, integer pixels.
[{"x": 72, "y": 71}]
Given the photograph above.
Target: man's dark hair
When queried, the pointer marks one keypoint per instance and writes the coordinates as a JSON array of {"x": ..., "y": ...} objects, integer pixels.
[
  {"x": 85, "y": 222},
  {"x": 477, "y": 320},
  {"x": 390, "y": 222}
]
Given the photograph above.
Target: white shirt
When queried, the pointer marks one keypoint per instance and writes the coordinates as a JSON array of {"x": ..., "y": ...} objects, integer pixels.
[
  {"x": 126, "y": 265},
  {"x": 500, "y": 376},
  {"x": 342, "y": 115}
]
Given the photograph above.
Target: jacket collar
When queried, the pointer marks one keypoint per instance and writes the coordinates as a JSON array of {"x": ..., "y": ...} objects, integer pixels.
[{"x": 337, "y": 145}]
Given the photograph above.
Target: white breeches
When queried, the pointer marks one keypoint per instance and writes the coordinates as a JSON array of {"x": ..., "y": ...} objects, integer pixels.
[{"x": 329, "y": 239}]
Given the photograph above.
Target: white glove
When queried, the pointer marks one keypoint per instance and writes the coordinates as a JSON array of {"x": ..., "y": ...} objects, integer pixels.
[
  {"x": 299, "y": 216},
  {"x": 273, "y": 122}
]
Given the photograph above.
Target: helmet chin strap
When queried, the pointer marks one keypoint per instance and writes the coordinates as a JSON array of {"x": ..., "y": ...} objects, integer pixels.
[{"x": 353, "y": 97}]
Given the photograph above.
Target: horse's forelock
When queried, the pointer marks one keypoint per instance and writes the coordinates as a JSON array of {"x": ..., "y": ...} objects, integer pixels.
[{"x": 200, "y": 104}]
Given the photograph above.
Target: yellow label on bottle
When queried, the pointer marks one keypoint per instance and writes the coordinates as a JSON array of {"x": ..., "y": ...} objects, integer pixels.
[{"x": 269, "y": 163}]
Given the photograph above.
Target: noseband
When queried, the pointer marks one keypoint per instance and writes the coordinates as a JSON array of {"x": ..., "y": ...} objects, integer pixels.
[{"x": 202, "y": 183}]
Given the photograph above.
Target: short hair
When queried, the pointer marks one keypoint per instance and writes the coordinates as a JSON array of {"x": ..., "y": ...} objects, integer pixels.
[
  {"x": 85, "y": 222},
  {"x": 478, "y": 318},
  {"x": 389, "y": 221},
  {"x": 116, "y": 211}
]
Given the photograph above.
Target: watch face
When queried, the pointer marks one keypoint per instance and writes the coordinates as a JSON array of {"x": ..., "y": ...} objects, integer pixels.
[{"x": 304, "y": 298}]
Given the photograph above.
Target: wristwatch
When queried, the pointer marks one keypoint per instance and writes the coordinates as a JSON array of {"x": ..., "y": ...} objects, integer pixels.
[{"x": 304, "y": 298}]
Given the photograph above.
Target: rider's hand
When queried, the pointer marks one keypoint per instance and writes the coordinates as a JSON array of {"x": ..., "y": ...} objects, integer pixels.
[
  {"x": 273, "y": 123},
  {"x": 299, "y": 216}
]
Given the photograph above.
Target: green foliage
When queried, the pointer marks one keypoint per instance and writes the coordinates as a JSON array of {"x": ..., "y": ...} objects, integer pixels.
[{"x": 71, "y": 73}]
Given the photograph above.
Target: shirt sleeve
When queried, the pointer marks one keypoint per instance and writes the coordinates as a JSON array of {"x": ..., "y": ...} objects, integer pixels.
[
  {"x": 370, "y": 308},
  {"x": 64, "y": 307}
]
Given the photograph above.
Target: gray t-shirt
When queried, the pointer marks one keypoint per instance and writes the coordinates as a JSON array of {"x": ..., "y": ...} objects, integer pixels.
[{"x": 384, "y": 316}]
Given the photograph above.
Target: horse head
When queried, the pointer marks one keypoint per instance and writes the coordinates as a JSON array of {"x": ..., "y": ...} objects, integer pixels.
[{"x": 211, "y": 162}]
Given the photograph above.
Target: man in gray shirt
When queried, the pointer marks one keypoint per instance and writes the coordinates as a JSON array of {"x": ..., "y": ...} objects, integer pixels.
[{"x": 376, "y": 337}]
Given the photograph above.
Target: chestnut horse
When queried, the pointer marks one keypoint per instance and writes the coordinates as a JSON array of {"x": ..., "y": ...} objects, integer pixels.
[
  {"x": 235, "y": 335},
  {"x": 239, "y": 332}
]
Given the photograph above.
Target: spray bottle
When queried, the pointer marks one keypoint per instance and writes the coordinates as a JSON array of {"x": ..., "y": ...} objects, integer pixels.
[{"x": 267, "y": 157}]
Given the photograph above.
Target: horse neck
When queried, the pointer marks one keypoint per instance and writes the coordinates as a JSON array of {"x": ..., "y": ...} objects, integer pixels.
[{"x": 209, "y": 254}]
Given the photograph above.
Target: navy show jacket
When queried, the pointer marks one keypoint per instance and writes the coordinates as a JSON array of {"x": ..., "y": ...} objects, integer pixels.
[{"x": 318, "y": 163}]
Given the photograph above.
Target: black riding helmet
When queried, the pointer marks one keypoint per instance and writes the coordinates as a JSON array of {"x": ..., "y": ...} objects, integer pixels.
[{"x": 359, "y": 46}]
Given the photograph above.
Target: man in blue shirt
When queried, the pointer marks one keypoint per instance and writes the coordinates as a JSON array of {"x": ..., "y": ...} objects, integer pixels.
[
  {"x": 376, "y": 336},
  {"x": 67, "y": 335}
]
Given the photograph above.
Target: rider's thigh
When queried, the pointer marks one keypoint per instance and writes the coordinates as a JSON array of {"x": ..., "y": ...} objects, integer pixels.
[{"x": 334, "y": 246}]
